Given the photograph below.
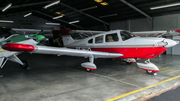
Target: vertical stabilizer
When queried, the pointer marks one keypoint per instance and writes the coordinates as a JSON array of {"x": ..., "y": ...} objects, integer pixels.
[{"x": 67, "y": 39}]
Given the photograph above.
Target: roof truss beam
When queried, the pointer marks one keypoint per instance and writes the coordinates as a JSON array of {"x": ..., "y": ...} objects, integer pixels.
[
  {"x": 135, "y": 8},
  {"x": 84, "y": 13},
  {"x": 57, "y": 19}
]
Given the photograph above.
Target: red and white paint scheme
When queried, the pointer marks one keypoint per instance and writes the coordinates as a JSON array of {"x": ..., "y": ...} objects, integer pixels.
[
  {"x": 123, "y": 42},
  {"x": 118, "y": 44}
]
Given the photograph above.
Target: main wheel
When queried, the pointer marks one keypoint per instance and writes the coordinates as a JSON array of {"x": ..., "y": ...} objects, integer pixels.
[
  {"x": 88, "y": 70},
  {"x": 151, "y": 72},
  {"x": 1, "y": 74},
  {"x": 128, "y": 63},
  {"x": 25, "y": 65}
]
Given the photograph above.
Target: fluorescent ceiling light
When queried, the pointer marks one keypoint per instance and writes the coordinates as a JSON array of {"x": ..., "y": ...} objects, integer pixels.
[
  {"x": 6, "y": 21},
  {"x": 27, "y": 14},
  {"x": 9, "y": 5},
  {"x": 74, "y": 22},
  {"x": 52, "y": 23},
  {"x": 51, "y": 4},
  {"x": 58, "y": 17},
  {"x": 88, "y": 8},
  {"x": 165, "y": 6}
]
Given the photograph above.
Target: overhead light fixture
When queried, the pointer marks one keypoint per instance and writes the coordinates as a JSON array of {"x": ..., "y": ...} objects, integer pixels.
[
  {"x": 74, "y": 22},
  {"x": 107, "y": 15},
  {"x": 51, "y": 4},
  {"x": 27, "y": 14},
  {"x": 62, "y": 15},
  {"x": 104, "y": 3},
  {"x": 52, "y": 23},
  {"x": 58, "y": 17},
  {"x": 57, "y": 12},
  {"x": 165, "y": 6},
  {"x": 101, "y": 2},
  {"x": 85, "y": 9},
  {"x": 6, "y": 21},
  {"x": 98, "y": 1},
  {"x": 9, "y": 5}
]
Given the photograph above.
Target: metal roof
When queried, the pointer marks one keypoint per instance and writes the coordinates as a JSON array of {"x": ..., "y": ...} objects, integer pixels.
[{"x": 89, "y": 12}]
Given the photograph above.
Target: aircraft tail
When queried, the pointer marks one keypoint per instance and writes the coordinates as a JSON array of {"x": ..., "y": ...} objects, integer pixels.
[{"x": 67, "y": 39}]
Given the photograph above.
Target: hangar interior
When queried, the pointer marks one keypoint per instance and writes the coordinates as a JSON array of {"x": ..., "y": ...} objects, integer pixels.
[{"x": 61, "y": 78}]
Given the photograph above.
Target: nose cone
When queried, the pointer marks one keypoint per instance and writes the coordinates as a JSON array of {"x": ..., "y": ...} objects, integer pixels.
[{"x": 170, "y": 43}]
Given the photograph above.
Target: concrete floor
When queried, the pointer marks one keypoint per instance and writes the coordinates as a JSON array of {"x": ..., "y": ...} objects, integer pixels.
[{"x": 53, "y": 78}]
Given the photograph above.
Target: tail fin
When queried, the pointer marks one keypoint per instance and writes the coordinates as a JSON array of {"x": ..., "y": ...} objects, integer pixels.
[{"x": 67, "y": 39}]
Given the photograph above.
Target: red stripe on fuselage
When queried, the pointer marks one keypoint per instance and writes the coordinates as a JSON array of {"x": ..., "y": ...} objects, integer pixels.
[{"x": 133, "y": 52}]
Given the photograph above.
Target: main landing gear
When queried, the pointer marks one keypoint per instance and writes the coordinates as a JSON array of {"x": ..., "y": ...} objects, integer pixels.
[
  {"x": 88, "y": 70},
  {"x": 89, "y": 66},
  {"x": 149, "y": 67},
  {"x": 129, "y": 61},
  {"x": 14, "y": 58},
  {"x": 151, "y": 72}
]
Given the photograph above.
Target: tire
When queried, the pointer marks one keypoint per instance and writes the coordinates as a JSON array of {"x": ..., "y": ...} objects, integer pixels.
[
  {"x": 26, "y": 65},
  {"x": 88, "y": 70},
  {"x": 128, "y": 63}
]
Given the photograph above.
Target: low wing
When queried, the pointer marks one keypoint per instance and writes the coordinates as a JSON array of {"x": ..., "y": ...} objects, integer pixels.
[
  {"x": 58, "y": 51},
  {"x": 30, "y": 31},
  {"x": 158, "y": 33}
]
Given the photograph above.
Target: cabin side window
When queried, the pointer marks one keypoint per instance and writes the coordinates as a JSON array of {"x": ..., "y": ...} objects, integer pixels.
[
  {"x": 99, "y": 39},
  {"x": 90, "y": 41},
  {"x": 112, "y": 37}
]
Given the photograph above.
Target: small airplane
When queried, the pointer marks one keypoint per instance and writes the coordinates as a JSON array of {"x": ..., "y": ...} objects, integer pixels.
[
  {"x": 8, "y": 37},
  {"x": 14, "y": 44},
  {"x": 123, "y": 42},
  {"x": 119, "y": 44}
]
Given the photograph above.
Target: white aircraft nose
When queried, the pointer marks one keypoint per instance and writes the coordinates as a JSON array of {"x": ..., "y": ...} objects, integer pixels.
[{"x": 170, "y": 43}]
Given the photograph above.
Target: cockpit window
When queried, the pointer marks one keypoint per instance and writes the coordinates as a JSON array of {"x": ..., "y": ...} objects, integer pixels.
[
  {"x": 126, "y": 35},
  {"x": 90, "y": 41},
  {"x": 99, "y": 39},
  {"x": 112, "y": 37}
]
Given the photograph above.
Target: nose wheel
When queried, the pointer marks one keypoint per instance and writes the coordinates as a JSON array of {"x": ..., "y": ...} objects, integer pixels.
[{"x": 151, "y": 72}]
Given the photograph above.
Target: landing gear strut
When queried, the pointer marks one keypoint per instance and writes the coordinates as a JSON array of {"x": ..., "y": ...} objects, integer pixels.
[{"x": 14, "y": 58}]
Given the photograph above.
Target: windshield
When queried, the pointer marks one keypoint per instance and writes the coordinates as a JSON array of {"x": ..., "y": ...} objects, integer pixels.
[{"x": 126, "y": 35}]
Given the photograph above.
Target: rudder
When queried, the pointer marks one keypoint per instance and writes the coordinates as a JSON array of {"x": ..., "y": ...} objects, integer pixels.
[{"x": 67, "y": 39}]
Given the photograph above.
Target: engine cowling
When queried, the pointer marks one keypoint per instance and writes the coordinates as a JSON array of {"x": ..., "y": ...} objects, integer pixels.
[{"x": 89, "y": 65}]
